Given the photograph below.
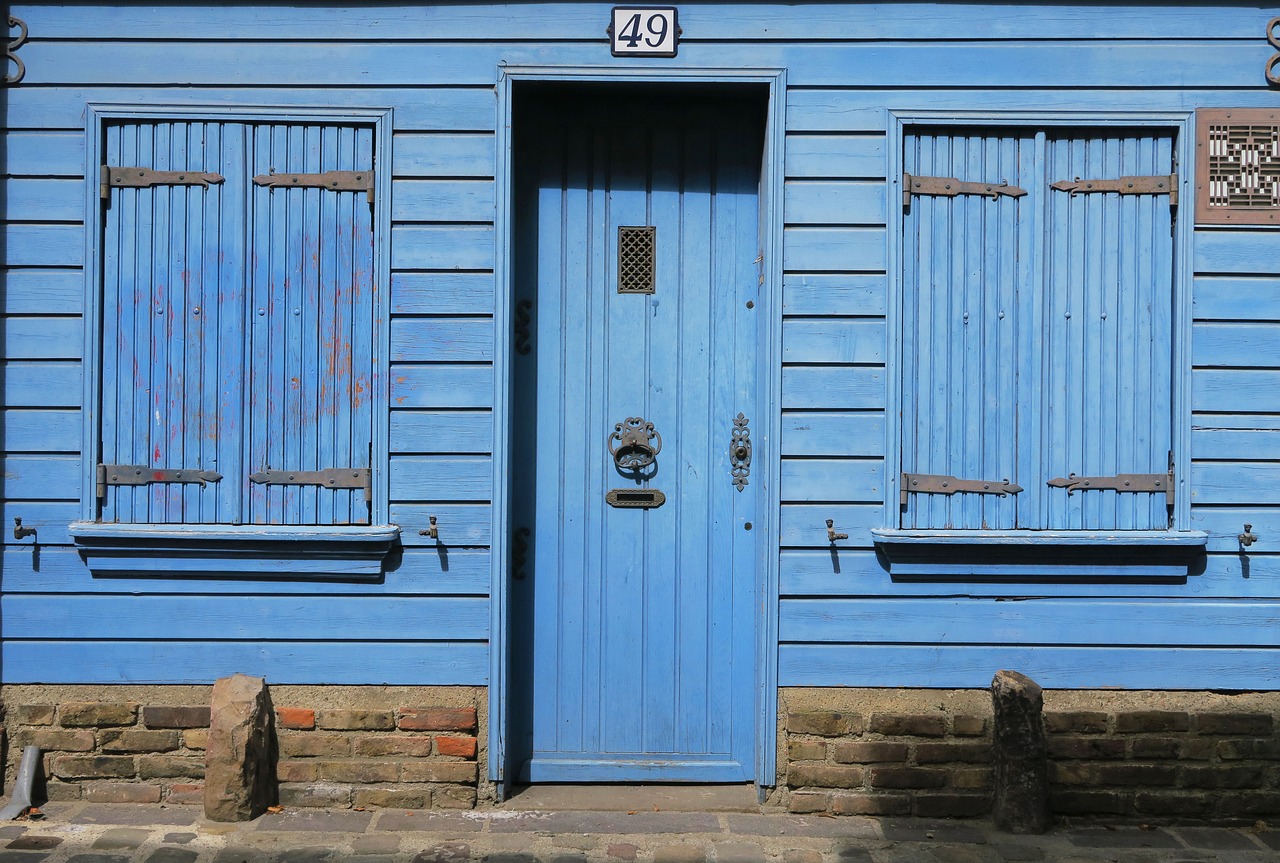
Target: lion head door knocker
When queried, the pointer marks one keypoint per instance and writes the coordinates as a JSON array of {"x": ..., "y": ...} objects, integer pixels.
[{"x": 634, "y": 445}]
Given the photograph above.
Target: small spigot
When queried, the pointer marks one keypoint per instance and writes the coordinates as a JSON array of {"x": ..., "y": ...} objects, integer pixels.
[
  {"x": 1247, "y": 538},
  {"x": 20, "y": 532},
  {"x": 832, "y": 536},
  {"x": 433, "y": 531}
]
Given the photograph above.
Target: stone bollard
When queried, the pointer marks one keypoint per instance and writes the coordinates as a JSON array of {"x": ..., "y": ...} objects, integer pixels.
[
  {"x": 1021, "y": 797},
  {"x": 239, "y": 761}
]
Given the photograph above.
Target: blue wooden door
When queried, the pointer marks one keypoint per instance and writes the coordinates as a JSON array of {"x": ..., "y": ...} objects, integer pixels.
[{"x": 634, "y": 655}]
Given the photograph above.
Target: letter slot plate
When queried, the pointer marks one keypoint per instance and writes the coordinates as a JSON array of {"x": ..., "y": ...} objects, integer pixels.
[{"x": 635, "y": 498}]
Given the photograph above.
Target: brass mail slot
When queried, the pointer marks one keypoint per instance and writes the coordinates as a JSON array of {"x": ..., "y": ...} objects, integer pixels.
[{"x": 643, "y": 498}]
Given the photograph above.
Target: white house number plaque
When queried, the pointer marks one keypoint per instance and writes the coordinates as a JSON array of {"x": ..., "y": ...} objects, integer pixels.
[{"x": 644, "y": 31}]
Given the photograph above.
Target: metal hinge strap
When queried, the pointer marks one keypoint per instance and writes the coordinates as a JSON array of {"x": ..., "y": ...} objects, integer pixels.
[
  {"x": 143, "y": 178},
  {"x": 950, "y": 187},
  {"x": 337, "y": 181},
  {"x": 141, "y": 474},
  {"x": 334, "y": 477},
  {"x": 1156, "y": 483},
  {"x": 1160, "y": 184},
  {"x": 932, "y": 483}
]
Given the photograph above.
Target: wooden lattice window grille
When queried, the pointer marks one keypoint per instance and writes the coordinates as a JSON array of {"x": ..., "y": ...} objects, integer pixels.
[
  {"x": 1238, "y": 166},
  {"x": 637, "y": 249}
]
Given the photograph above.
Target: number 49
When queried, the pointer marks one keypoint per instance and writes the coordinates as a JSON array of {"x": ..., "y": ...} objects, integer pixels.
[{"x": 644, "y": 31}]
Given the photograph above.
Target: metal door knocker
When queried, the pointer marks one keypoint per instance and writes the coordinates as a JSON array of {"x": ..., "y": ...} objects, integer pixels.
[{"x": 634, "y": 444}]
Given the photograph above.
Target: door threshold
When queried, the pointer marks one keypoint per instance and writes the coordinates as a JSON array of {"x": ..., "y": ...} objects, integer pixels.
[{"x": 627, "y": 797}]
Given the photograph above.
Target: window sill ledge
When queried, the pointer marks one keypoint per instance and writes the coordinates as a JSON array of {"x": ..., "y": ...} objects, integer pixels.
[
  {"x": 243, "y": 551},
  {"x": 1037, "y": 555}
]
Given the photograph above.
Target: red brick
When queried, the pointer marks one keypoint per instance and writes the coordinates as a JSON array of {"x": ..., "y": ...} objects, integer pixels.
[
  {"x": 823, "y": 776},
  {"x": 970, "y": 778},
  {"x": 909, "y": 725},
  {"x": 907, "y": 777},
  {"x": 97, "y": 714},
  {"x": 1075, "y": 721},
  {"x": 438, "y": 771},
  {"x": 62, "y": 792},
  {"x": 1222, "y": 776},
  {"x": 399, "y": 745},
  {"x": 296, "y": 718},
  {"x": 1172, "y": 803},
  {"x": 824, "y": 723},
  {"x": 356, "y": 720},
  {"x": 437, "y": 718},
  {"x": 34, "y": 714},
  {"x": 363, "y": 772},
  {"x": 806, "y": 750},
  {"x": 622, "y": 851},
  {"x": 325, "y": 796},
  {"x": 1143, "y": 721},
  {"x": 185, "y": 794},
  {"x": 314, "y": 745},
  {"x": 51, "y": 740},
  {"x": 1093, "y": 748},
  {"x": 137, "y": 740},
  {"x": 289, "y": 770},
  {"x": 1248, "y": 803},
  {"x": 1183, "y": 748},
  {"x": 393, "y": 798},
  {"x": 871, "y": 804},
  {"x": 458, "y": 747},
  {"x": 453, "y": 797},
  {"x": 170, "y": 767},
  {"x": 1258, "y": 724},
  {"x": 942, "y": 805},
  {"x": 175, "y": 717},
  {"x": 1076, "y": 802},
  {"x": 809, "y": 801},
  {"x": 935, "y": 753},
  {"x": 968, "y": 726},
  {"x": 196, "y": 738},
  {"x": 868, "y": 751},
  {"x": 1072, "y": 773},
  {"x": 1136, "y": 774},
  {"x": 121, "y": 792},
  {"x": 94, "y": 767},
  {"x": 1235, "y": 750}
]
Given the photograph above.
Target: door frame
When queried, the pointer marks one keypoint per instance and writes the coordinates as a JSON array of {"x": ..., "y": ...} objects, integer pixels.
[{"x": 766, "y": 460}]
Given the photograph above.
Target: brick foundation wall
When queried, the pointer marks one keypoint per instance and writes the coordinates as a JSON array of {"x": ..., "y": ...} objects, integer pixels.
[
  {"x": 407, "y": 747},
  {"x": 1142, "y": 755}
]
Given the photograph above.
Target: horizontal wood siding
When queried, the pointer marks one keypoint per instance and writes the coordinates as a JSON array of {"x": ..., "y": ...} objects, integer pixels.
[{"x": 843, "y": 620}]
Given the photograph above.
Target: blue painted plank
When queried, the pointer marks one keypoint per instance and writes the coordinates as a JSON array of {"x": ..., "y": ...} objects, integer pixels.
[
  {"x": 459, "y": 432},
  {"x": 826, "y": 294},
  {"x": 834, "y": 202},
  {"x": 1235, "y": 390},
  {"x": 114, "y": 617},
  {"x": 415, "y": 663},
  {"x": 444, "y": 155},
  {"x": 44, "y": 292},
  {"x": 833, "y": 340},
  {"x": 844, "y": 480},
  {"x": 1051, "y": 667},
  {"x": 42, "y": 384},
  {"x": 1239, "y": 443},
  {"x": 41, "y": 477},
  {"x": 449, "y": 340},
  {"x": 806, "y": 524},
  {"x": 1235, "y": 482},
  {"x": 442, "y": 247},
  {"x": 831, "y": 111},
  {"x": 459, "y": 525},
  {"x": 442, "y": 293},
  {"x": 833, "y": 387},
  {"x": 835, "y": 156},
  {"x": 43, "y": 338},
  {"x": 1086, "y": 621},
  {"x": 441, "y": 386},
  {"x": 442, "y": 201},
  {"x": 42, "y": 200},
  {"x": 42, "y": 430},
  {"x": 1225, "y": 523},
  {"x": 833, "y": 249},
  {"x": 45, "y": 154},
  {"x": 833, "y": 434},
  {"x": 1235, "y": 252},
  {"x": 1236, "y": 344},
  {"x": 441, "y": 478},
  {"x": 49, "y": 518},
  {"x": 39, "y": 245},
  {"x": 1222, "y": 298}
]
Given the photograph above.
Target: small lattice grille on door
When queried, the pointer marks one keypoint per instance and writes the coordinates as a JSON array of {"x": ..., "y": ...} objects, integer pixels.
[
  {"x": 1238, "y": 166},
  {"x": 636, "y": 252}
]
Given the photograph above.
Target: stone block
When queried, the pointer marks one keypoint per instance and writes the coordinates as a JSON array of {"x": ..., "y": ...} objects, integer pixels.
[
  {"x": 967, "y": 753},
  {"x": 823, "y": 776},
  {"x": 170, "y": 767},
  {"x": 824, "y": 723},
  {"x": 63, "y": 792},
  {"x": 679, "y": 854},
  {"x": 94, "y": 767},
  {"x": 1257, "y": 724},
  {"x": 861, "y": 803},
  {"x": 393, "y": 745},
  {"x": 289, "y": 770},
  {"x": 196, "y": 738},
  {"x": 185, "y": 794},
  {"x": 296, "y": 718},
  {"x": 906, "y": 777},
  {"x": 1236, "y": 750},
  {"x": 806, "y": 750},
  {"x": 453, "y": 797},
  {"x": 943, "y": 805},
  {"x": 438, "y": 771},
  {"x": 868, "y": 751},
  {"x": 1073, "y": 773},
  {"x": 1248, "y": 803},
  {"x": 1148, "y": 721},
  {"x": 908, "y": 725},
  {"x": 240, "y": 759},
  {"x": 1076, "y": 802},
  {"x": 970, "y": 778},
  {"x": 121, "y": 792},
  {"x": 358, "y": 772},
  {"x": 315, "y": 795},
  {"x": 968, "y": 726},
  {"x": 314, "y": 745},
  {"x": 624, "y": 851},
  {"x": 1136, "y": 774},
  {"x": 97, "y": 714},
  {"x": 802, "y": 802},
  {"x": 55, "y": 740},
  {"x": 393, "y": 798},
  {"x": 456, "y": 746},
  {"x": 1020, "y": 781},
  {"x": 137, "y": 740},
  {"x": 1222, "y": 776},
  {"x": 34, "y": 714},
  {"x": 176, "y": 717},
  {"x": 355, "y": 720},
  {"x": 437, "y": 718},
  {"x": 1172, "y": 803},
  {"x": 1091, "y": 748},
  {"x": 1075, "y": 722}
]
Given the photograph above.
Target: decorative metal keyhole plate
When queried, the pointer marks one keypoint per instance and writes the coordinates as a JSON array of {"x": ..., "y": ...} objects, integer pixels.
[
  {"x": 740, "y": 451},
  {"x": 634, "y": 443},
  {"x": 637, "y": 249},
  {"x": 1238, "y": 166}
]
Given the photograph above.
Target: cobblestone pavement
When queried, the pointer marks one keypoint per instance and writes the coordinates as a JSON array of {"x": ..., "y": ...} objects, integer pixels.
[{"x": 98, "y": 833}]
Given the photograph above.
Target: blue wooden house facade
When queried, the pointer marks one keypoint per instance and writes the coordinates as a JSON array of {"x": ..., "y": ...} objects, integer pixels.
[{"x": 635, "y": 368}]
